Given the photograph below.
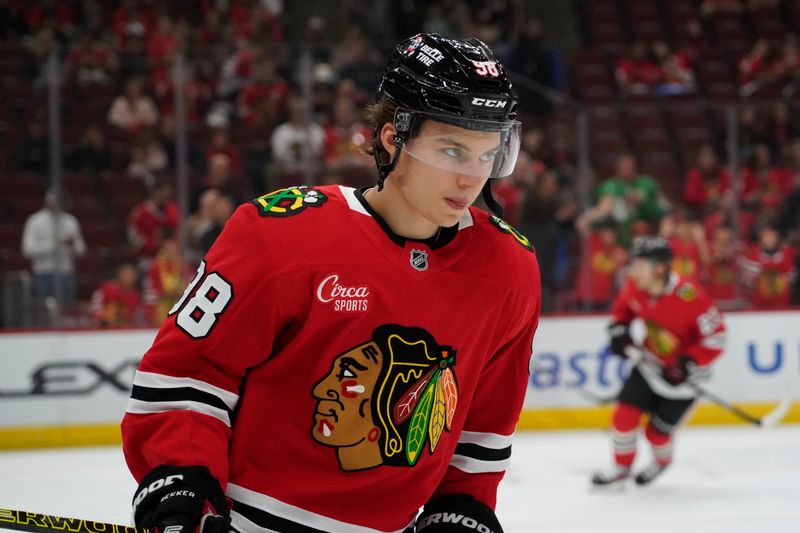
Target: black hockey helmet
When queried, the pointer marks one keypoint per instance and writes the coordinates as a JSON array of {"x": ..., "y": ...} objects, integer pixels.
[
  {"x": 458, "y": 82},
  {"x": 652, "y": 247}
]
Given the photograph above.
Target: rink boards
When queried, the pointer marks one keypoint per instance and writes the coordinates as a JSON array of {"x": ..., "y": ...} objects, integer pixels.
[{"x": 71, "y": 388}]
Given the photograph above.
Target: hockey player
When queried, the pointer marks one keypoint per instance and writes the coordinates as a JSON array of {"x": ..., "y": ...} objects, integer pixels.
[
  {"x": 684, "y": 333},
  {"x": 346, "y": 357}
]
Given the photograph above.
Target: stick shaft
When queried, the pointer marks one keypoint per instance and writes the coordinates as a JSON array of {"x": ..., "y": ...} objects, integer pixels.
[{"x": 44, "y": 523}]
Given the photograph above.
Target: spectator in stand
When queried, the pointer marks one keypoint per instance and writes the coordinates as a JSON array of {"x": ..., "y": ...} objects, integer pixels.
[
  {"x": 219, "y": 176},
  {"x": 677, "y": 74},
  {"x": 91, "y": 61},
  {"x": 723, "y": 270},
  {"x": 708, "y": 183},
  {"x": 753, "y": 129},
  {"x": 754, "y": 71},
  {"x": 152, "y": 220},
  {"x": 237, "y": 69},
  {"x": 118, "y": 302},
  {"x": 162, "y": 41},
  {"x": 537, "y": 59},
  {"x": 769, "y": 269},
  {"x": 198, "y": 91},
  {"x": 548, "y": 217},
  {"x": 165, "y": 280},
  {"x": 221, "y": 144},
  {"x": 131, "y": 22},
  {"x": 206, "y": 225},
  {"x": 298, "y": 144},
  {"x": 765, "y": 185},
  {"x": 635, "y": 200},
  {"x": 686, "y": 237},
  {"x": 264, "y": 95},
  {"x": 133, "y": 110},
  {"x": 148, "y": 157},
  {"x": 51, "y": 240},
  {"x": 166, "y": 137},
  {"x": 92, "y": 154},
  {"x": 636, "y": 73},
  {"x": 346, "y": 136},
  {"x": 32, "y": 154},
  {"x": 600, "y": 269}
]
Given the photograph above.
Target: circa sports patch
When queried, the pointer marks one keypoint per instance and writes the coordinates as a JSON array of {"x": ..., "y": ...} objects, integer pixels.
[
  {"x": 289, "y": 201},
  {"x": 506, "y": 228}
]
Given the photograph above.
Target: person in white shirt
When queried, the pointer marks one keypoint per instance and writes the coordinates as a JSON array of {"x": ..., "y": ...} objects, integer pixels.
[{"x": 51, "y": 240}]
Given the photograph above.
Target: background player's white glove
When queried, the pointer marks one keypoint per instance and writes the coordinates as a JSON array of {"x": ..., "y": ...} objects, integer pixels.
[{"x": 457, "y": 513}]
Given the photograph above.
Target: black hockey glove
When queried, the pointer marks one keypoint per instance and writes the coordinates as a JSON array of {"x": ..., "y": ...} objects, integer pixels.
[
  {"x": 620, "y": 338},
  {"x": 679, "y": 370},
  {"x": 181, "y": 499},
  {"x": 457, "y": 513}
]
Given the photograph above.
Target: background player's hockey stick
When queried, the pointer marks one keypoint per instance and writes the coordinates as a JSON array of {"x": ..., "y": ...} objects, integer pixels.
[
  {"x": 44, "y": 523},
  {"x": 641, "y": 357}
]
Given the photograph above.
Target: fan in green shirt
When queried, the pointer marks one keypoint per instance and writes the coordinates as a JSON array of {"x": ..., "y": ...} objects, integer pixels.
[{"x": 630, "y": 197}]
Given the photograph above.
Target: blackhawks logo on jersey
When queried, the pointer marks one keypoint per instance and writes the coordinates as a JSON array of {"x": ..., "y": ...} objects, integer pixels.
[
  {"x": 385, "y": 399},
  {"x": 687, "y": 293},
  {"x": 288, "y": 202},
  {"x": 659, "y": 340},
  {"x": 506, "y": 228}
]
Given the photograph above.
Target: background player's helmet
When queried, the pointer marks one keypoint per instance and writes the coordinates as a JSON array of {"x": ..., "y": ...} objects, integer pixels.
[
  {"x": 457, "y": 82},
  {"x": 652, "y": 247}
]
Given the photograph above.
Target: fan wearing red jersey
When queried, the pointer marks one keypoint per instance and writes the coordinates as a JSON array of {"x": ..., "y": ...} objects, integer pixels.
[
  {"x": 345, "y": 357},
  {"x": 685, "y": 333}
]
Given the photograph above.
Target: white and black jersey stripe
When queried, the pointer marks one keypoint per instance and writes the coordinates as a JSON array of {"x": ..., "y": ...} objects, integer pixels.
[
  {"x": 259, "y": 513},
  {"x": 478, "y": 452},
  {"x": 159, "y": 393}
]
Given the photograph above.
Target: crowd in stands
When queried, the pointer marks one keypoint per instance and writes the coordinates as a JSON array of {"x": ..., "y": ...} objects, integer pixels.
[{"x": 253, "y": 128}]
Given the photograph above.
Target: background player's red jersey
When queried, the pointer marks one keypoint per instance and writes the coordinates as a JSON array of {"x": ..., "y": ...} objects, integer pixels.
[
  {"x": 683, "y": 321},
  {"x": 391, "y": 385}
]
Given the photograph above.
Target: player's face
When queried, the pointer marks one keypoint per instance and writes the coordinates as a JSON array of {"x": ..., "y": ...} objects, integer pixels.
[
  {"x": 643, "y": 272},
  {"x": 343, "y": 416},
  {"x": 443, "y": 170}
]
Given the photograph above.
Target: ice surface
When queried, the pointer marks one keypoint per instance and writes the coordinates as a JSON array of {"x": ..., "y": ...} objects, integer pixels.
[{"x": 732, "y": 480}]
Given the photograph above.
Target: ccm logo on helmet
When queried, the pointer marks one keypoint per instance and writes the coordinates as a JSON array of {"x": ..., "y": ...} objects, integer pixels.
[{"x": 488, "y": 102}]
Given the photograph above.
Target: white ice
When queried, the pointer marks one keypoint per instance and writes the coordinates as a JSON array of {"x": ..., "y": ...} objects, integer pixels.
[{"x": 732, "y": 480}]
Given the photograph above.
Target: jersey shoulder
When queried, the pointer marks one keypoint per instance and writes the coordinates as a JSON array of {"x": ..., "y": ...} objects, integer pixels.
[
  {"x": 691, "y": 293},
  {"x": 298, "y": 202},
  {"x": 507, "y": 250}
]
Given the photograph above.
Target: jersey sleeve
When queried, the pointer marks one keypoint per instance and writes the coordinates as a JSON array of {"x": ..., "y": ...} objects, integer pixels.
[
  {"x": 186, "y": 388},
  {"x": 621, "y": 310},
  {"x": 709, "y": 333},
  {"x": 483, "y": 451}
]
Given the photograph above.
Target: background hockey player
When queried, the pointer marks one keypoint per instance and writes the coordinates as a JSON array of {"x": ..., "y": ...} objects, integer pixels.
[
  {"x": 685, "y": 332},
  {"x": 346, "y": 357}
]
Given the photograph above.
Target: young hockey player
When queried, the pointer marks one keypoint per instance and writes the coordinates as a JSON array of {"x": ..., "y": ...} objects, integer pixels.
[
  {"x": 684, "y": 333},
  {"x": 346, "y": 357}
]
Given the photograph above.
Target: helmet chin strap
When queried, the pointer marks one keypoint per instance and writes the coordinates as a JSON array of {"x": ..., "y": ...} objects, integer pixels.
[
  {"x": 490, "y": 201},
  {"x": 384, "y": 169}
]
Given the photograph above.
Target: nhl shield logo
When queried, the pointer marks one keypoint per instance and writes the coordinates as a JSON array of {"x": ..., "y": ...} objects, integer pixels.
[{"x": 419, "y": 260}]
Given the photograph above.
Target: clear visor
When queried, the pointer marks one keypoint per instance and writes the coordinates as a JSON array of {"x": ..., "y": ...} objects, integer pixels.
[{"x": 476, "y": 148}]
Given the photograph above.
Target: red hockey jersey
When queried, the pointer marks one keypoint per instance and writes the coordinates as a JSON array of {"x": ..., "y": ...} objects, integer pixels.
[
  {"x": 683, "y": 321},
  {"x": 335, "y": 376}
]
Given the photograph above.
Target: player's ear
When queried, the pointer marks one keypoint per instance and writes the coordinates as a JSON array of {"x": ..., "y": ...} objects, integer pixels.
[{"x": 386, "y": 135}]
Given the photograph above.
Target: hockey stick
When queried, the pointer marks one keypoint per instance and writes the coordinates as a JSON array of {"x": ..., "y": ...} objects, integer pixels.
[
  {"x": 639, "y": 356},
  {"x": 44, "y": 523}
]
